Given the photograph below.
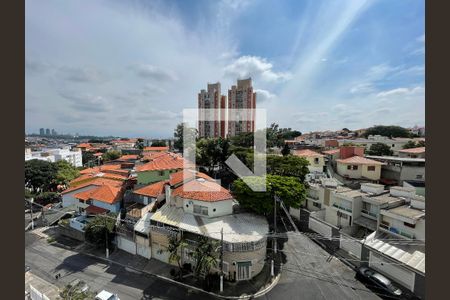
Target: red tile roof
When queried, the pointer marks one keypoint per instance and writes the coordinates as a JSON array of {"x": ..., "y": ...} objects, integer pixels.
[
  {"x": 101, "y": 168},
  {"x": 152, "y": 190},
  {"x": 202, "y": 190},
  {"x": 128, "y": 157},
  {"x": 95, "y": 181},
  {"x": 178, "y": 177},
  {"x": 307, "y": 153},
  {"x": 359, "y": 160},
  {"x": 162, "y": 148},
  {"x": 84, "y": 145},
  {"x": 331, "y": 152},
  {"x": 418, "y": 150},
  {"x": 95, "y": 210},
  {"x": 108, "y": 194},
  {"x": 98, "y": 154},
  {"x": 168, "y": 162}
]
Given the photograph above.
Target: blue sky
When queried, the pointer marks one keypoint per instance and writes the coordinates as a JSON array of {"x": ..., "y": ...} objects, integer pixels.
[{"x": 129, "y": 68}]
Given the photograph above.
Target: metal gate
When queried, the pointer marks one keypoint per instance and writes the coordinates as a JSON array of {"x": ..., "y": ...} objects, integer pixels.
[
  {"x": 397, "y": 273},
  {"x": 144, "y": 251},
  {"x": 126, "y": 245}
]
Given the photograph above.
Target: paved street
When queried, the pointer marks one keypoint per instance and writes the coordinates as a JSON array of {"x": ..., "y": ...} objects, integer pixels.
[
  {"x": 309, "y": 273},
  {"x": 46, "y": 260}
]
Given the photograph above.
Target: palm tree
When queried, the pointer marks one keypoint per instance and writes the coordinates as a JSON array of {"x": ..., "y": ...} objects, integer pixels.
[
  {"x": 205, "y": 256},
  {"x": 175, "y": 249}
]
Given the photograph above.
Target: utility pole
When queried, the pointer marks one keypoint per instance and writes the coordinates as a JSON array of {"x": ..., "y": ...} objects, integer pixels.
[
  {"x": 31, "y": 213},
  {"x": 106, "y": 239},
  {"x": 221, "y": 260}
]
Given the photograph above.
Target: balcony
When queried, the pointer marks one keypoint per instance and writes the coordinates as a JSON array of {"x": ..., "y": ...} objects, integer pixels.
[
  {"x": 342, "y": 207},
  {"x": 369, "y": 213},
  {"x": 312, "y": 197},
  {"x": 397, "y": 231}
]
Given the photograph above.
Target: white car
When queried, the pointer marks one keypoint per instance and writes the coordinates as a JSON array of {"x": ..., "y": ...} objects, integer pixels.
[{"x": 105, "y": 295}]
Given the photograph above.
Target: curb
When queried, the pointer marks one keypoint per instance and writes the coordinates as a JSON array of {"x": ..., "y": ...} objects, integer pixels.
[{"x": 257, "y": 294}]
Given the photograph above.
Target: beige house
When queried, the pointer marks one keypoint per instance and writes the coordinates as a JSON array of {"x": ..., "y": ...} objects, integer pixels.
[
  {"x": 316, "y": 160},
  {"x": 358, "y": 167}
]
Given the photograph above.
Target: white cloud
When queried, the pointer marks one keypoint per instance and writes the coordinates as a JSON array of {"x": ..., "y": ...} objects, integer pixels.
[
  {"x": 263, "y": 95},
  {"x": 80, "y": 74},
  {"x": 401, "y": 92},
  {"x": 362, "y": 88},
  {"x": 255, "y": 67},
  {"x": 153, "y": 72}
]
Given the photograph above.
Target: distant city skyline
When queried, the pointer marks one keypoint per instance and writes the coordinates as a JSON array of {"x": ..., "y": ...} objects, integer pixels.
[{"x": 129, "y": 68}]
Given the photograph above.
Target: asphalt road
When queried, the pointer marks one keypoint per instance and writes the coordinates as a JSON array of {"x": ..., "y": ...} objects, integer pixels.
[
  {"x": 310, "y": 273},
  {"x": 46, "y": 260}
]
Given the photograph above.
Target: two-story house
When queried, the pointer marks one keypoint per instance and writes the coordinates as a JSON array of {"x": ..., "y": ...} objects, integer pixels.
[
  {"x": 159, "y": 168},
  {"x": 316, "y": 160},
  {"x": 357, "y": 167},
  {"x": 198, "y": 206}
]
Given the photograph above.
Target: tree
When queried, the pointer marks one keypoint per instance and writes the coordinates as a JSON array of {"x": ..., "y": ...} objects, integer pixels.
[
  {"x": 139, "y": 144},
  {"x": 159, "y": 143},
  {"x": 286, "y": 150},
  {"x": 420, "y": 144},
  {"x": 290, "y": 190},
  {"x": 389, "y": 131},
  {"x": 111, "y": 155},
  {"x": 40, "y": 174},
  {"x": 289, "y": 165},
  {"x": 380, "y": 149},
  {"x": 409, "y": 145},
  {"x": 175, "y": 247},
  {"x": 178, "y": 135},
  {"x": 75, "y": 292},
  {"x": 87, "y": 157},
  {"x": 244, "y": 139},
  {"x": 66, "y": 172},
  {"x": 205, "y": 256},
  {"x": 100, "y": 228},
  {"x": 47, "y": 197}
]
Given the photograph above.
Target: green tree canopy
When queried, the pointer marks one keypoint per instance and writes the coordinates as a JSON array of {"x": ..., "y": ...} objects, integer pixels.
[
  {"x": 87, "y": 157},
  {"x": 290, "y": 190},
  {"x": 66, "y": 172},
  {"x": 412, "y": 144},
  {"x": 380, "y": 149},
  {"x": 139, "y": 144},
  {"x": 178, "y": 135},
  {"x": 111, "y": 155},
  {"x": 159, "y": 143},
  {"x": 40, "y": 174},
  {"x": 205, "y": 256},
  {"x": 286, "y": 150},
  {"x": 102, "y": 226},
  {"x": 389, "y": 131}
]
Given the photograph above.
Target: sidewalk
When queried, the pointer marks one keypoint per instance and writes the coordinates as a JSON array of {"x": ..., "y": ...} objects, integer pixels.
[{"x": 257, "y": 286}]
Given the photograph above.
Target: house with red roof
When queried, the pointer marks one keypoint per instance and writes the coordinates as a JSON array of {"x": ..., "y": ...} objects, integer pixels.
[
  {"x": 152, "y": 149},
  {"x": 358, "y": 167},
  {"x": 160, "y": 168},
  {"x": 315, "y": 159}
]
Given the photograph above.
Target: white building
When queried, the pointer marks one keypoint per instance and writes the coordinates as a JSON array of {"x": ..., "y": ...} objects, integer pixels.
[{"x": 54, "y": 155}]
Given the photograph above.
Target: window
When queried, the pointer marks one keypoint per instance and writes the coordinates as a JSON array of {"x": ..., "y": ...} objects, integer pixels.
[
  {"x": 419, "y": 176},
  {"x": 349, "y": 167},
  {"x": 316, "y": 160},
  {"x": 393, "y": 145},
  {"x": 344, "y": 216},
  {"x": 199, "y": 209},
  {"x": 409, "y": 225},
  {"x": 371, "y": 168},
  {"x": 161, "y": 173},
  {"x": 354, "y": 167},
  {"x": 317, "y": 205}
]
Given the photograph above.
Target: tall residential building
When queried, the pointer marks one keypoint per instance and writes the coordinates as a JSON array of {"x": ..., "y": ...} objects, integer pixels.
[
  {"x": 212, "y": 99},
  {"x": 42, "y": 131},
  {"x": 241, "y": 97},
  {"x": 53, "y": 132},
  {"x": 47, "y": 131}
]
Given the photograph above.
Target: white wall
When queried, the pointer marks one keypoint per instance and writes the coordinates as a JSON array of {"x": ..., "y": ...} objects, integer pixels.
[
  {"x": 115, "y": 207},
  {"x": 68, "y": 199},
  {"x": 222, "y": 208}
]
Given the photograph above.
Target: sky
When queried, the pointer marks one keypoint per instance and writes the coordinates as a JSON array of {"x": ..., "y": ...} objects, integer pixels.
[{"x": 129, "y": 68}]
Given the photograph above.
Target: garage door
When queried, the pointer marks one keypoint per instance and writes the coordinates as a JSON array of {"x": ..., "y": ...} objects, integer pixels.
[
  {"x": 320, "y": 227},
  {"x": 144, "y": 251},
  {"x": 126, "y": 245},
  {"x": 396, "y": 273}
]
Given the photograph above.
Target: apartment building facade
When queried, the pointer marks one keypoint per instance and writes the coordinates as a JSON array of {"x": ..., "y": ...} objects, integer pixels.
[
  {"x": 211, "y": 98},
  {"x": 241, "y": 96}
]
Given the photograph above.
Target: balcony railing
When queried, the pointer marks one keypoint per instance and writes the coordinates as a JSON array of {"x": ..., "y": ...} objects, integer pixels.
[
  {"x": 314, "y": 197},
  {"x": 365, "y": 211},
  {"x": 397, "y": 231},
  {"x": 342, "y": 207}
]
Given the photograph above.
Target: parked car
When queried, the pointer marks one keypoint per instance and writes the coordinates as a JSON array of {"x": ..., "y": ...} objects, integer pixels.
[
  {"x": 379, "y": 281},
  {"x": 105, "y": 295}
]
